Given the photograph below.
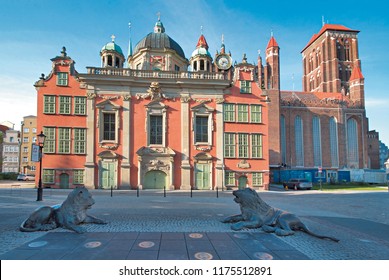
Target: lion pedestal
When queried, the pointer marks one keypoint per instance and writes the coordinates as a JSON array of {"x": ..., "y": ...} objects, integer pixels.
[
  {"x": 70, "y": 214},
  {"x": 256, "y": 213}
]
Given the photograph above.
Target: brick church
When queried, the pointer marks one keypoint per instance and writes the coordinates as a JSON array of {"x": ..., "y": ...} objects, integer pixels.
[{"x": 155, "y": 119}]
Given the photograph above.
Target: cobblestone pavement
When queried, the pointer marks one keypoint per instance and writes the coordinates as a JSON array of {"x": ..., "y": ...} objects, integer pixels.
[{"x": 359, "y": 219}]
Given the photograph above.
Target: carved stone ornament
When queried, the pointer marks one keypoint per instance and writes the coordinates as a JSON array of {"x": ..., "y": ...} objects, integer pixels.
[
  {"x": 203, "y": 101},
  {"x": 204, "y": 149},
  {"x": 91, "y": 95},
  {"x": 219, "y": 100},
  {"x": 109, "y": 147},
  {"x": 244, "y": 164},
  {"x": 185, "y": 99},
  {"x": 127, "y": 97},
  {"x": 154, "y": 92}
]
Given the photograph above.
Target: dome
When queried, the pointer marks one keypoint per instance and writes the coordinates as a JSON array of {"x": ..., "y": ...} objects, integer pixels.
[
  {"x": 159, "y": 41},
  {"x": 112, "y": 46},
  {"x": 201, "y": 51}
]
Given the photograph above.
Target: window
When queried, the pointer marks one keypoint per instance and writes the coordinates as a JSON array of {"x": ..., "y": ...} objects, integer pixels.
[
  {"x": 316, "y": 138},
  {"x": 62, "y": 79},
  {"x": 256, "y": 146},
  {"x": 352, "y": 143},
  {"x": 243, "y": 145},
  {"x": 229, "y": 145},
  {"x": 34, "y": 130},
  {"x": 26, "y": 130},
  {"x": 156, "y": 130},
  {"x": 25, "y": 139},
  {"x": 334, "y": 142},
  {"x": 245, "y": 86},
  {"x": 25, "y": 159},
  {"x": 25, "y": 149},
  {"x": 257, "y": 179},
  {"x": 64, "y": 140},
  {"x": 176, "y": 68},
  {"x": 109, "y": 127},
  {"x": 256, "y": 113},
  {"x": 79, "y": 140},
  {"x": 283, "y": 139},
  {"x": 299, "y": 143},
  {"x": 64, "y": 104},
  {"x": 243, "y": 113},
  {"x": 79, "y": 105},
  {"x": 48, "y": 176},
  {"x": 78, "y": 176},
  {"x": 230, "y": 178},
  {"x": 201, "y": 129},
  {"x": 49, "y": 147},
  {"x": 229, "y": 112},
  {"x": 49, "y": 104}
]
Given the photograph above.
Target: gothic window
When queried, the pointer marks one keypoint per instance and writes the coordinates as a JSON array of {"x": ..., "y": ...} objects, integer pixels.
[
  {"x": 62, "y": 79},
  {"x": 347, "y": 50},
  {"x": 348, "y": 72},
  {"x": 339, "y": 50},
  {"x": 352, "y": 143},
  {"x": 156, "y": 130},
  {"x": 316, "y": 138},
  {"x": 334, "y": 142},
  {"x": 283, "y": 139},
  {"x": 299, "y": 141},
  {"x": 340, "y": 71}
]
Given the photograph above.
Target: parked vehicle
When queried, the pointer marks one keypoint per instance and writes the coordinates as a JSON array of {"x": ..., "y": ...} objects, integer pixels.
[
  {"x": 25, "y": 177},
  {"x": 298, "y": 184}
]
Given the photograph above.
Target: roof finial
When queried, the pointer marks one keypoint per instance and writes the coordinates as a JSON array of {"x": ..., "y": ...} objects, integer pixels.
[
  {"x": 201, "y": 29},
  {"x": 322, "y": 20},
  {"x": 159, "y": 16},
  {"x": 113, "y": 38},
  {"x": 271, "y": 33},
  {"x": 222, "y": 38}
]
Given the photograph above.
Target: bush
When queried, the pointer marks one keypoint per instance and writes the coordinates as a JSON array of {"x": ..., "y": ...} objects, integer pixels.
[{"x": 8, "y": 176}]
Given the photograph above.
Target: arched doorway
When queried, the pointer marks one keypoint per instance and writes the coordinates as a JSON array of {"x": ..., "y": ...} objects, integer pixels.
[
  {"x": 242, "y": 182},
  {"x": 155, "y": 179},
  {"x": 64, "y": 181}
]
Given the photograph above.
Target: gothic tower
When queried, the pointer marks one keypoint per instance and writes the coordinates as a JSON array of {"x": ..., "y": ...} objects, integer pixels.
[{"x": 272, "y": 67}]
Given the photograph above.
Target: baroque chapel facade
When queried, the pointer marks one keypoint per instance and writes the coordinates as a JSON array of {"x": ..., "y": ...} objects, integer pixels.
[{"x": 165, "y": 121}]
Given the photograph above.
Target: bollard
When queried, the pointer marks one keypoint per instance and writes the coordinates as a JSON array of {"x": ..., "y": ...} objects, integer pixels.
[
  {"x": 164, "y": 191},
  {"x": 217, "y": 192},
  {"x": 111, "y": 190},
  {"x": 137, "y": 191},
  {"x": 191, "y": 192}
]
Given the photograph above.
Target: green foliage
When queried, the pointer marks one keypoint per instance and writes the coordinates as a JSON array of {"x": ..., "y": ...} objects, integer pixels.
[{"x": 8, "y": 176}]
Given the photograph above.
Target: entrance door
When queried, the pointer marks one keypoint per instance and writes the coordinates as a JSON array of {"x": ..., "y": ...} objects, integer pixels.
[
  {"x": 64, "y": 181},
  {"x": 155, "y": 179},
  {"x": 202, "y": 176},
  {"x": 242, "y": 182},
  {"x": 107, "y": 175}
]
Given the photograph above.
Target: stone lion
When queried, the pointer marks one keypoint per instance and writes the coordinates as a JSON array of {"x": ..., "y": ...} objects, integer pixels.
[
  {"x": 256, "y": 213},
  {"x": 70, "y": 214}
]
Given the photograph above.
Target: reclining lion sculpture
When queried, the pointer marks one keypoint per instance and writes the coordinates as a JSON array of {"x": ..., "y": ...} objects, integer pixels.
[
  {"x": 70, "y": 214},
  {"x": 256, "y": 213}
]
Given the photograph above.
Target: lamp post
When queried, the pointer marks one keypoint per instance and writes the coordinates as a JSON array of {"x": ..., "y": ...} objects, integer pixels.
[{"x": 41, "y": 143}]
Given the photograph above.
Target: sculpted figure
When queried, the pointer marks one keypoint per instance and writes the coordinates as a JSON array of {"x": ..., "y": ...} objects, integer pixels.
[
  {"x": 256, "y": 213},
  {"x": 70, "y": 214}
]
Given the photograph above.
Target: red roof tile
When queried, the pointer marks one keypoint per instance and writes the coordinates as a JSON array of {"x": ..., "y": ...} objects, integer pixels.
[
  {"x": 272, "y": 43},
  {"x": 356, "y": 73},
  {"x": 202, "y": 42},
  {"x": 326, "y": 27}
]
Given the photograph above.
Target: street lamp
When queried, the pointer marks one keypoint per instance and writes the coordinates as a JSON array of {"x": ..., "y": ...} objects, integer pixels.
[{"x": 41, "y": 143}]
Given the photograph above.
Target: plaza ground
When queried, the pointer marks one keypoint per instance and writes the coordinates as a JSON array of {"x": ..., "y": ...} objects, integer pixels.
[{"x": 178, "y": 226}]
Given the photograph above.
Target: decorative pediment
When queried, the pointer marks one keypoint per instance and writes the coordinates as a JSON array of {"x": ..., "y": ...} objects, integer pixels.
[
  {"x": 108, "y": 155},
  {"x": 108, "y": 105},
  {"x": 203, "y": 156},
  {"x": 203, "y": 109},
  {"x": 155, "y": 151}
]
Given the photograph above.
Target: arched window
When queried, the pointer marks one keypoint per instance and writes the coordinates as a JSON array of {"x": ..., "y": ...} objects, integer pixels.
[
  {"x": 334, "y": 142},
  {"x": 316, "y": 138},
  {"x": 283, "y": 139},
  {"x": 347, "y": 50},
  {"x": 352, "y": 143},
  {"x": 299, "y": 142}
]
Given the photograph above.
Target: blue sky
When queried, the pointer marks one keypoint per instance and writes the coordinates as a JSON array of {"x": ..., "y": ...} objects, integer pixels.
[{"x": 34, "y": 31}]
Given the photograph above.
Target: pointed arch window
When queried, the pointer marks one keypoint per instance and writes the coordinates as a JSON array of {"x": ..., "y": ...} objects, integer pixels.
[
  {"x": 283, "y": 139},
  {"x": 316, "y": 138},
  {"x": 299, "y": 141},
  {"x": 352, "y": 143},
  {"x": 334, "y": 142}
]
